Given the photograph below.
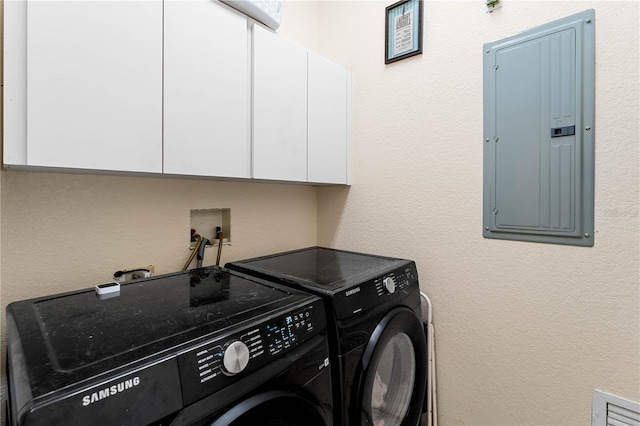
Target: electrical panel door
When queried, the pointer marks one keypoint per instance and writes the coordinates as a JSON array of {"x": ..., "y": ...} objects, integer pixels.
[{"x": 539, "y": 133}]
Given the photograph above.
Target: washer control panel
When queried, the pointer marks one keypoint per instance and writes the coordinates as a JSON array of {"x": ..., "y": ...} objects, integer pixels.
[
  {"x": 217, "y": 363},
  {"x": 364, "y": 296},
  {"x": 396, "y": 281},
  {"x": 283, "y": 333}
]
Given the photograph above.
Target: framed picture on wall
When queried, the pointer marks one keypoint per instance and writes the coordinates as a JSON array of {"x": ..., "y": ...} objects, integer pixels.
[{"x": 403, "y": 30}]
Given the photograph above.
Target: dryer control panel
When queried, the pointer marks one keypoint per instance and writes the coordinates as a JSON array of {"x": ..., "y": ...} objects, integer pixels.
[
  {"x": 214, "y": 364},
  {"x": 369, "y": 294}
]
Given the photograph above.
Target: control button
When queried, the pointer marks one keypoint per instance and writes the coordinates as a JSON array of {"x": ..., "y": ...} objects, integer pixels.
[
  {"x": 389, "y": 285},
  {"x": 236, "y": 358}
]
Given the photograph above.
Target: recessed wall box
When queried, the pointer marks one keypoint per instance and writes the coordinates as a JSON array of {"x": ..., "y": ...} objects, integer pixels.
[
  {"x": 206, "y": 223},
  {"x": 269, "y": 12},
  {"x": 539, "y": 131}
]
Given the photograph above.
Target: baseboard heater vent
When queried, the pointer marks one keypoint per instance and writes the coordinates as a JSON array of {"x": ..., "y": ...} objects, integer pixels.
[{"x": 611, "y": 410}]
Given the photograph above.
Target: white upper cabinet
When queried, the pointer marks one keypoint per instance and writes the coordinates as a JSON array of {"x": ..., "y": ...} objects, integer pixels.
[
  {"x": 328, "y": 91},
  {"x": 206, "y": 90},
  {"x": 279, "y": 108},
  {"x": 94, "y": 80},
  {"x": 174, "y": 87}
]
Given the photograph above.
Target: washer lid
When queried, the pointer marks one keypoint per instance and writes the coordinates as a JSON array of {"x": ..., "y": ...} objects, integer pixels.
[
  {"x": 320, "y": 267},
  {"x": 75, "y": 336}
]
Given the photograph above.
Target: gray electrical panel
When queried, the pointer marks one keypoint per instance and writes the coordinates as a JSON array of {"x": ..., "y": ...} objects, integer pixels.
[{"x": 539, "y": 133}]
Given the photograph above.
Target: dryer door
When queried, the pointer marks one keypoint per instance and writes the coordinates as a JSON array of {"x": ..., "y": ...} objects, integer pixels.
[
  {"x": 274, "y": 408},
  {"x": 394, "y": 373}
]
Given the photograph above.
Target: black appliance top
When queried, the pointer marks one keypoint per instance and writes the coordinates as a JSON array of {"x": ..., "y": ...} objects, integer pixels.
[
  {"x": 326, "y": 270},
  {"x": 75, "y": 336}
]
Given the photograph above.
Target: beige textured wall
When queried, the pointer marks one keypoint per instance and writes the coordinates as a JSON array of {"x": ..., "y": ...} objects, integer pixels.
[
  {"x": 525, "y": 332},
  {"x": 62, "y": 232}
]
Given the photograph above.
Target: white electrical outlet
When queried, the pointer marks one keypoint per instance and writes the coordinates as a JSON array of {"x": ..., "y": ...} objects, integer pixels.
[{"x": 133, "y": 273}]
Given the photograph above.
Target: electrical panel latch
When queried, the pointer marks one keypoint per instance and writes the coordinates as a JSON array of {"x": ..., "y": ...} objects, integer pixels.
[{"x": 563, "y": 131}]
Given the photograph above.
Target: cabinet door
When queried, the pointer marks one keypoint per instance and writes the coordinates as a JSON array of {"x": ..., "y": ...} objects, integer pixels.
[
  {"x": 94, "y": 79},
  {"x": 206, "y": 90},
  {"x": 279, "y": 108},
  {"x": 328, "y": 89}
]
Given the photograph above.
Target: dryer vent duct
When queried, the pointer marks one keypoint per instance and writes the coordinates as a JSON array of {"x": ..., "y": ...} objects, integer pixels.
[
  {"x": 612, "y": 410},
  {"x": 269, "y": 12}
]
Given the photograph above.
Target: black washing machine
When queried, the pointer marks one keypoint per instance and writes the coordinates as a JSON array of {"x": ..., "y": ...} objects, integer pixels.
[
  {"x": 376, "y": 334},
  {"x": 203, "y": 347}
]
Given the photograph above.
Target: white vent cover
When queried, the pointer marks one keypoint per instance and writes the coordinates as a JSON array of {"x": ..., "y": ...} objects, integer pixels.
[
  {"x": 614, "y": 411},
  {"x": 268, "y": 12}
]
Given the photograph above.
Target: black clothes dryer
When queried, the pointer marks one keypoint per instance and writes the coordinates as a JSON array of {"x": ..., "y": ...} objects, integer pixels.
[
  {"x": 203, "y": 347},
  {"x": 376, "y": 335}
]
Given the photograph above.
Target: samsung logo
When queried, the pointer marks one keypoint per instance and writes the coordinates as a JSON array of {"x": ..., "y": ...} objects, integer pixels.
[
  {"x": 110, "y": 391},
  {"x": 352, "y": 291}
]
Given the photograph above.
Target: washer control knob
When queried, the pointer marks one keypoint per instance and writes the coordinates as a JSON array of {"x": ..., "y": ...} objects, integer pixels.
[
  {"x": 236, "y": 358},
  {"x": 389, "y": 285}
]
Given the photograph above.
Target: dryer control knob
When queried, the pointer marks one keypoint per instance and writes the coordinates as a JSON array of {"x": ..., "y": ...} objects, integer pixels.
[
  {"x": 389, "y": 284},
  {"x": 236, "y": 358}
]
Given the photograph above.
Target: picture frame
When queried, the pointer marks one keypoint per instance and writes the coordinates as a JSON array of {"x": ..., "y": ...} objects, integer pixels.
[{"x": 403, "y": 30}]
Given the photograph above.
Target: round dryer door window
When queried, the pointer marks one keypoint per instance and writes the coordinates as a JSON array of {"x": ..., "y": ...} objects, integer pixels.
[
  {"x": 395, "y": 379},
  {"x": 390, "y": 384}
]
